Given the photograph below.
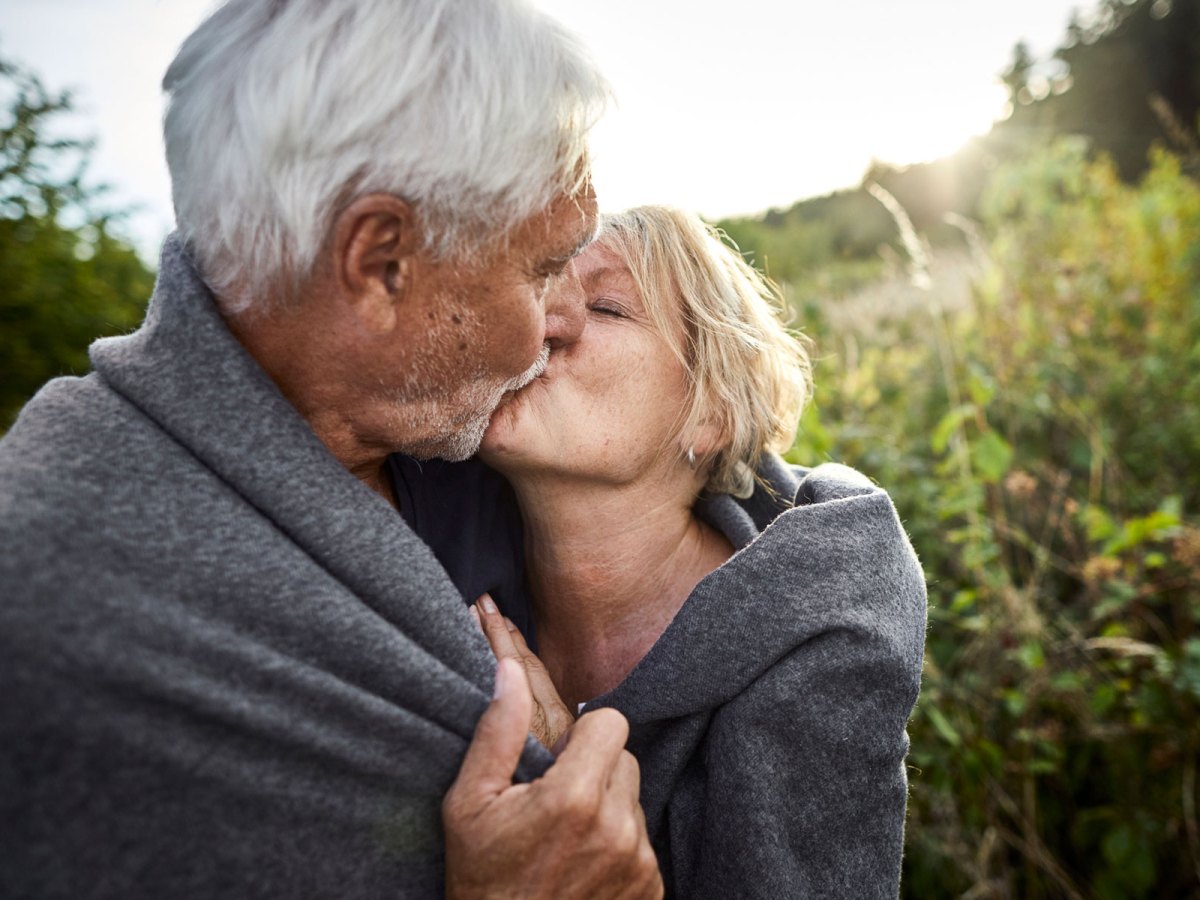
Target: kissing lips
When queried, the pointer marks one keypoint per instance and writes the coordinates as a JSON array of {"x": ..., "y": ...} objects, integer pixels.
[
  {"x": 515, "y": 394},
  {"x": 512, "y": 393},
  {"x": 535, "y": 371}
]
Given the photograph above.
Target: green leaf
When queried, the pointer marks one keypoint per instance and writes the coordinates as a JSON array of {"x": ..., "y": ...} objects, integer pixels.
[
  {"x": 1066, "y": 682},
  {"x": 963, "y": 600},
  {"x": 991, "y": 456},
  {"x": 1117, "y": 845},
  {"x": 949, "y": 424},
  {"x": 1159, "y": 525},
  {"x": 1014, "y": 702},
  {"x": 981, "y": 387},
  {"x": 1098, "y": 523},
  {"x": 944, "y": 729},
  {"x": 1031, "y": 656},
  {"x": 1103, "y": 699}
]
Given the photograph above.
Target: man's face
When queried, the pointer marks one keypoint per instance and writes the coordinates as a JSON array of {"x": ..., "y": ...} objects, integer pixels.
[{"x": 477, "y": 330}]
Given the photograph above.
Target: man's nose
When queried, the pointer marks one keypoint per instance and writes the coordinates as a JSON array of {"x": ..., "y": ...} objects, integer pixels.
[{"x": 566, "y": 308}]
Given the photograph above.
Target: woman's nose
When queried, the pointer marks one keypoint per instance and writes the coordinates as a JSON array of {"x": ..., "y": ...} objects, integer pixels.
[{"x": 565, "y": 308}]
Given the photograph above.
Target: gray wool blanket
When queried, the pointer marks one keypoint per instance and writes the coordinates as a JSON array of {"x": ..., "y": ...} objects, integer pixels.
[
  {"x": 228, "y": 669},
  {"x": 769, "y": 719}
]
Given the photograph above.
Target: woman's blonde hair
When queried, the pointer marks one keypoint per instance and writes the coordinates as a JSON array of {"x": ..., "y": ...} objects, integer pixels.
[{"x": 748, "y": 375}]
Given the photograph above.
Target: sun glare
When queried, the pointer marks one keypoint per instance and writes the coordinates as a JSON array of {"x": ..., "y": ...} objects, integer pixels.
[{"x": 933, "y": 131}]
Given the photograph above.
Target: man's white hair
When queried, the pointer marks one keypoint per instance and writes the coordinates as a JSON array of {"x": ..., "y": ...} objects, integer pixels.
[{"x": 281, "y": 112}]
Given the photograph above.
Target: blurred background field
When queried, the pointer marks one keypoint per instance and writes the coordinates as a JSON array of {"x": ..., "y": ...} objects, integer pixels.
[{"x": 1008, "y": 339}]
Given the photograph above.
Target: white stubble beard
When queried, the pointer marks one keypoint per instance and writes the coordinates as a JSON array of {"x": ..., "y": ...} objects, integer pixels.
[{"x": 463, "y": 443}]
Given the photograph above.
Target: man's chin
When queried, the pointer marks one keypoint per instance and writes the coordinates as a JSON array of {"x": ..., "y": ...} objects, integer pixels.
[
  {"x": 455, "y": 447},
  {"x": 464, "y": 441}
]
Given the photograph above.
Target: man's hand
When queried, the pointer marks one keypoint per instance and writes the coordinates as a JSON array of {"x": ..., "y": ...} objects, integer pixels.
[
  {"x": 578, "y": 831},
  {"x": 551, "y": 717}
]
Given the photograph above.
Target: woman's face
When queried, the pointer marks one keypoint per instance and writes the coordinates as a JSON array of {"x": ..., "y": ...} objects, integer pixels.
[{"x": 608, "y": 403}]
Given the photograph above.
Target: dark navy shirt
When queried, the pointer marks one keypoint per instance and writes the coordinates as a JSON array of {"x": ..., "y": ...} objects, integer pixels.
[{"x": 468, "y": 516}]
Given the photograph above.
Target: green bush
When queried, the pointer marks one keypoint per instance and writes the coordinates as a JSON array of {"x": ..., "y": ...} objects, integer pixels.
[
  {"x": 1042, "y": 443},
  {"x": 67, "y": 278}
]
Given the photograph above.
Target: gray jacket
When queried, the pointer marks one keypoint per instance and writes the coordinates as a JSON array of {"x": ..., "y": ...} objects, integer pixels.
[
  {"x": 227, "y": 668},
  {"x": 769, "y": 718}
]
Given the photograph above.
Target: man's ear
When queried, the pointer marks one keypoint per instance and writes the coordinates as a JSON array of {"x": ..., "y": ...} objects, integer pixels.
[{"x": 375, "y": 240}]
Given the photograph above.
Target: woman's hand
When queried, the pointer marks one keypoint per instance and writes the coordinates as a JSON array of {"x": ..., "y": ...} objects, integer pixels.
[{"x": 551, "y": 718}]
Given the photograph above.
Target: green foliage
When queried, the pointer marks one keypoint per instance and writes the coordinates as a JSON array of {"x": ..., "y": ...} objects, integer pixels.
[
  {"x": 67, "y": 278},
  {"x": 1040, "y": 436},
  {"x": 1135, "y": 70},
  {"x": 820, "y": 245},
  {"x": 1040, "y": 433}
]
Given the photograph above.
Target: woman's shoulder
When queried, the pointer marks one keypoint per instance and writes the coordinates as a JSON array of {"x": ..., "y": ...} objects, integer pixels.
[
  {"x": 834, "y": 546},
  {"x": 838, "y": 543},
  {"x": 831, "y": 591},
  {"x": 782, "y": 487},
  {"x": 833, "y": 557},
  {"x": 833, "y": 564}
]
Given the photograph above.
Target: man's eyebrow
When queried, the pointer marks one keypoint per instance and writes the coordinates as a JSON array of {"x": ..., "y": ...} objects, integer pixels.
[
  {"x": 559, "y": 262},
  {"x": 582, "y": 245},
  {"x": 588, "y": 237}
]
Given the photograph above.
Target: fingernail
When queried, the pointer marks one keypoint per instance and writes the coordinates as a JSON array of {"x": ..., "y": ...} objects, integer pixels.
[
  {"x": 489, "y": 607},
  {"x": 509, "y": 624}
]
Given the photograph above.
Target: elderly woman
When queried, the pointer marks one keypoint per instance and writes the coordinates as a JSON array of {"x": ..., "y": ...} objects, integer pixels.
[{"x": 761, "y": 626}]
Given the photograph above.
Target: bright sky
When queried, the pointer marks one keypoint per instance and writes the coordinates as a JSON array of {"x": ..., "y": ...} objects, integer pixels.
[{"x": 724, "y": 108}]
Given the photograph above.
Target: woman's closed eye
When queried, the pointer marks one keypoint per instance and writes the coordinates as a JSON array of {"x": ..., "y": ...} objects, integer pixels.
[{"x": 609, "y": 308}]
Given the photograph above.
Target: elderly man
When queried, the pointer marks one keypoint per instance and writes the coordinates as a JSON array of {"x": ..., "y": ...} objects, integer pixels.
[{"x": 228, "y": 668}]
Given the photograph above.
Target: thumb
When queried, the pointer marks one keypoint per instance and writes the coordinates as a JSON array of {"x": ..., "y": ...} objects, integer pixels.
[{"x": 492, "y": 757}]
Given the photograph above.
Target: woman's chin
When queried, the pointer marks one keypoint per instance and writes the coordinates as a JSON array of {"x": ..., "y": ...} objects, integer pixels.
[
  {"x": 499, "y": 437},
  {"x": 510, "y": 429}
]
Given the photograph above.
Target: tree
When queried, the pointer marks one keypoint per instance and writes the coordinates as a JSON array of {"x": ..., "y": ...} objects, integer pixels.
[
  {"x": 1016, "y": 76},
  {"x": 65, "y": 277},
  {"x": 1132, "y": 77}
]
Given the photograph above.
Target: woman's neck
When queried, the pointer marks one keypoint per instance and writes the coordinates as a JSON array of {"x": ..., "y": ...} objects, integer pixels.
[{"x": 609, "y": 567}]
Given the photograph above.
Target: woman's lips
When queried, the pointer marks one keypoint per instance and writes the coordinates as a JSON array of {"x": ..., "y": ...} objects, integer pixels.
[{"x": 509, "y": 395}]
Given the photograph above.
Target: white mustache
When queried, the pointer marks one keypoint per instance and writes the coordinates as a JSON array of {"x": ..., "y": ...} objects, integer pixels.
[{"x": 538, "y": 367}]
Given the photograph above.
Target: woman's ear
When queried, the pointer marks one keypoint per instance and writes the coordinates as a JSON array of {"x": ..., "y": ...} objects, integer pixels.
[
  {"x": 375, "y": 241},
  {"x": 704, "y": 440}
]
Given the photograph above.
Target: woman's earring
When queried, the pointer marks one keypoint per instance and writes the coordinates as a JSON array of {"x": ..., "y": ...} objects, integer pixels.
[{"x": 691, "y": 457}]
